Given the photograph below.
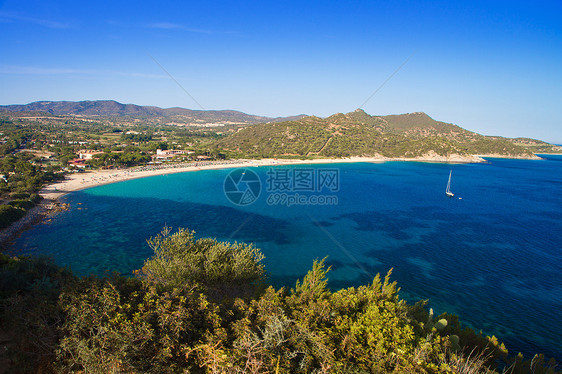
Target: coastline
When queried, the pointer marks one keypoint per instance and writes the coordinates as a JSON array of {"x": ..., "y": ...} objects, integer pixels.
[
  {"x": 79, "y": 181},
  {"x": 35, "y": 215},
  {"x": 496, "y": 155}
]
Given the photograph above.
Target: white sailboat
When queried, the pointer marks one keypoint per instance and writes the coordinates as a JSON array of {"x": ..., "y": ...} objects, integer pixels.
[{"x": 448, "y": 190}]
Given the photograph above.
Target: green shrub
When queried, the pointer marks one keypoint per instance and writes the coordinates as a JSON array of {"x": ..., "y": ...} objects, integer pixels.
[
  {"x": 35, "y": 198},
  {"x": 180, "y": 260},
  {"x": 29, "y": 313},
  {"x": 122, "y": 325},
  {"x": 20, "y": 196},
  {"x": 10, "y": 214},
  {"x": 22, "y": 204}
]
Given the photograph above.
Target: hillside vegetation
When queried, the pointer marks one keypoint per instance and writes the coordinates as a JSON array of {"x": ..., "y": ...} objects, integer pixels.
[{"x": 359, "y": 134}]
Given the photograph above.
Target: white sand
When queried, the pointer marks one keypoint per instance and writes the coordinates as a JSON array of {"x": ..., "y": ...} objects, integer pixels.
[{"x": 87, "y": 179}]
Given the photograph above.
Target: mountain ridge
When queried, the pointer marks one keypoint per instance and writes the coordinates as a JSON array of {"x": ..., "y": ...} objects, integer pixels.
[{"x": 112, "y": 108}]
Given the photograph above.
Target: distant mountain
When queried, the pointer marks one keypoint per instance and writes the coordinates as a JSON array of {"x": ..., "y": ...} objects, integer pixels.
[
  {"x": 85, "y": 108},
  {"x": 110, "y": 108},
  {"x": 413, "y": 135}
]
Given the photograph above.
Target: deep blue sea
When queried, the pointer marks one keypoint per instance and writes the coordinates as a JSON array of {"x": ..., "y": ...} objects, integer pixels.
[{"x": 494, "y": 256}]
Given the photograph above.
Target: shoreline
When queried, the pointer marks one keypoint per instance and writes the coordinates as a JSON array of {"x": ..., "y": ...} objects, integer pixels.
[
  {"x": 39, "y": 213},
  {"x": 88, "y": 179},
  {"x": 493, "y": 155}
]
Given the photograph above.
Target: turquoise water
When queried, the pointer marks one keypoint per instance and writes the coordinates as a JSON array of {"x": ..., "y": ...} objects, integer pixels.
[{"x": 493, "y": 257}]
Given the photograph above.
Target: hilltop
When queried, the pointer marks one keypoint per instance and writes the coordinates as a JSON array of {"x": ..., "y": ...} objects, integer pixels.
[{"x": 412, "y": 135}]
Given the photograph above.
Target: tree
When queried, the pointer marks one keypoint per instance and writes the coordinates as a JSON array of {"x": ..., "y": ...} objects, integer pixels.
[
  {"x": 179, "y": 260},
  {"x": 158, "y": 145}
]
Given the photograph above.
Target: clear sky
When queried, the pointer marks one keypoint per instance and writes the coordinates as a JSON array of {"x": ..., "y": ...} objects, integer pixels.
[{"x": 494, "y": 67}]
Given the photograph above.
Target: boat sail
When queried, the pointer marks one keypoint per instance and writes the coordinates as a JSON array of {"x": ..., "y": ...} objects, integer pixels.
[{"x": 448, "y": 190}]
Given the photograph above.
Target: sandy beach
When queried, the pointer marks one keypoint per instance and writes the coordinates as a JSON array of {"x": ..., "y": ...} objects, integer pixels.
[{"x": 93, "y": 178}]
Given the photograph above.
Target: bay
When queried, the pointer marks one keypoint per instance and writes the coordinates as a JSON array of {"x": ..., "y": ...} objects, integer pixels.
[{"x": 493, "y": 256}]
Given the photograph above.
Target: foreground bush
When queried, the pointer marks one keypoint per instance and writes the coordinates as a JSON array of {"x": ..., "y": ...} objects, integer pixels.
[
  {"x": 179, "y": 260},
  {"x": 121, "y": 325},
  {"x": 30, "y": 316}
]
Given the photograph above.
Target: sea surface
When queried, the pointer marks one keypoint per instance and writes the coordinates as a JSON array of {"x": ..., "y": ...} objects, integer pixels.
[{"x": 492, "y": 254}]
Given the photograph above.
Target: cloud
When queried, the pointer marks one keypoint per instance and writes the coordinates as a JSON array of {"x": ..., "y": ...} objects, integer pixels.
[
  {"x": 32, "y": 70},
  {"x": 175, "y": 26},
  {"x": 36, "y": 70},
  {"x": 11, "y": 17},
  {"x": 165, "y": 26}
]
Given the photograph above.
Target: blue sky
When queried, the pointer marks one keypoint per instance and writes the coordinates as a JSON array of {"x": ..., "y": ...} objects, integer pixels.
[{"x": 494, "y": 67}]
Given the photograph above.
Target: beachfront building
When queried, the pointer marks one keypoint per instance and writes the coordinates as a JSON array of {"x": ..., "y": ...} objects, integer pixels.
[
  {"x": 78, "y": 162},
  {"x": 169, "y": 153},
  {"x": 88, "y": 155}
]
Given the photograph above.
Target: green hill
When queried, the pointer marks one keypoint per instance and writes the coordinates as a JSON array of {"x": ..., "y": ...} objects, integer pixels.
[{"x": 413, "y": 135}]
